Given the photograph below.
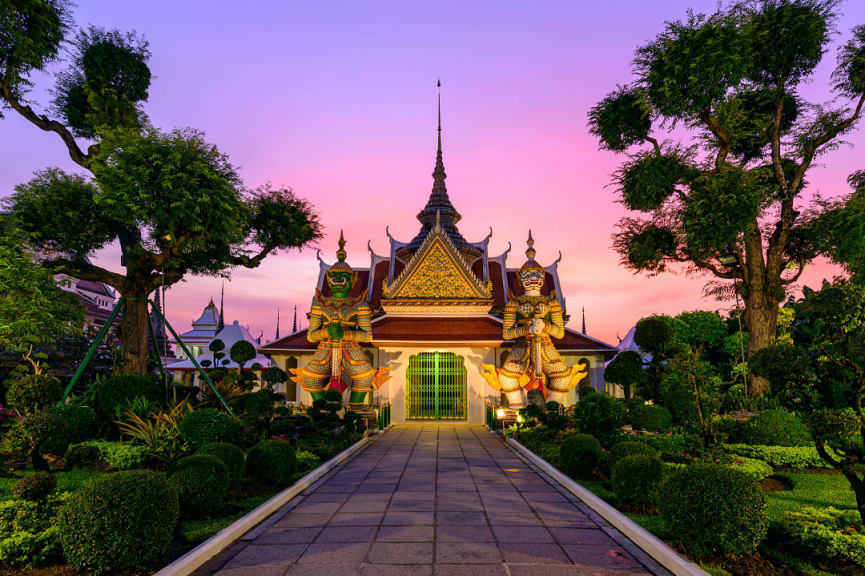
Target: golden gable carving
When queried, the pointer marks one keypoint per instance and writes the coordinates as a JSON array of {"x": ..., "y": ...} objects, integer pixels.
[{"x": 437, "y": 275}]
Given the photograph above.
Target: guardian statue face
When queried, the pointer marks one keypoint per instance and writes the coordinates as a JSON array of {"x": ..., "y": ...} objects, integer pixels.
[
  {"x": 340, "y": 283},
  {"x": 532, "y": 279}
]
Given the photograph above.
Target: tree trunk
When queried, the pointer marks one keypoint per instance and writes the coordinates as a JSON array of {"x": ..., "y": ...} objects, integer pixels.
[
  {"x": 134, "y": 335},
  {"x": 761, "y": 317}
]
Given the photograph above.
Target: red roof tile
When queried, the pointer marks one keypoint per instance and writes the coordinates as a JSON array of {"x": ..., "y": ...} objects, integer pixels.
[{"x": 436, "y": 329}]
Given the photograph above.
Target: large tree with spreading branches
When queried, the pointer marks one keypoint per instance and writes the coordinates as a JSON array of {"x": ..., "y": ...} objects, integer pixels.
[
  {"x": 718, "y": 142},
  {"x": 172, "y": 201}
]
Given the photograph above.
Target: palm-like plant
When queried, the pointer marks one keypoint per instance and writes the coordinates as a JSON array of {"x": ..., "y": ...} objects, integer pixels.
[{"x": 160, "y": 432}]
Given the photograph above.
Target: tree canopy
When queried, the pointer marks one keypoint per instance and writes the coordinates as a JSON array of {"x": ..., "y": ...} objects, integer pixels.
[{"x": 726, "y": 199}]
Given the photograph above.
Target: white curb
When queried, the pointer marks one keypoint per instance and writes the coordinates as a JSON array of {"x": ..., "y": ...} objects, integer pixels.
[
  {"x": 644, "y": 539},
  {"x": 198, "y": 556}
]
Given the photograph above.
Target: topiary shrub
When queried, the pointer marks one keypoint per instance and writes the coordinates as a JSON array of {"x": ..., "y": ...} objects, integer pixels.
[
  {"x": 306, "y": 460},
  {"x": 30, "y": 532},
  {"x": 271, "y": 462},
  {"x": 664, "y": 442},
  {"x": 39, "y": 428},
  {"x": 80, "y": 455},
  {"x": 757, "y": 469},
  {"x": 635, "y": 479},
  {"x": 33, "y": 393},
  {"x": 600, "y": 415},
  {"x": 826, "y": 533},
  {"x": 120, "y": 455},
  {"x": 208, "y": 425},
  {"x": 713, "y": 509},
  {"x": 35, "y": 487},
  {"x": 202, "y": 483},
  {"x": 786, "y": 457},
  {"x": 81, "y": 424},
  {"x": 579, "y": 455},
  {"x": 651, "y": 418},
  {"x": 120, "y": 390},
  {"x": 228, "y": 454},
  {"x": 630, "y": 448},
  {"x": 776, "y": 428},
  {"x": 121, "y": 521}
]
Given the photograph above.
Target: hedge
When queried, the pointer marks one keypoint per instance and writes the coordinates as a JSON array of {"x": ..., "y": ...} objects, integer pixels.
[
  {"x": 664, "y": 442},
  {"x": 118, "y": 455},
  {"x": 757, "y": 469},
  {"x": 827, "y": 533},
  {"x": 789, "y": 457}
]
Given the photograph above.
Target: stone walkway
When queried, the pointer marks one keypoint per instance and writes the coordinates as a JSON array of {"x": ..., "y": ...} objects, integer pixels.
[{"x": 435, "y": 499}]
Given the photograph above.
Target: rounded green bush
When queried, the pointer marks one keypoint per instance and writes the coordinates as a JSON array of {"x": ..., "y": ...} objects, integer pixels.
[
  {"x": 79, "y": 455},
  {"x": 651, "y": 418},
  {"x": 271, "y": 462},
  {"x": 208, "y": 425},
  {"x": 81, "y": 425},
  {"x": 635, "y": 479},
  {"x": 119, "y": 390},
  {"x": 776, "y": 428},
  {"x": 35, "y": 487},
  {"x": 713, "y": 509},
  {"x": 33, "y": 392},
  {"x": 599, "y": 415},
  {"x": 228, "y": 454},
  {"x": 121, "y": 521},
  {"x": 202, "y": 483},
  {"x": 579, "y": 455},
  {"x": 630, "y": 448}
]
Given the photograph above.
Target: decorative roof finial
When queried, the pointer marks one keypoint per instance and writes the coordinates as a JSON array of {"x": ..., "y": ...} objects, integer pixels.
[
  {"x": 221, "y": 324},
  {"x": 530, "y": 251},
  {"x": 340, "y": 254},
  {"x": 294, "y": 324},
  {"x": 439, "y": 172},
  {"x": 438, "y": 221},
  {"x": 277, "y": 323},
  {"x": 584, "y": 321}
]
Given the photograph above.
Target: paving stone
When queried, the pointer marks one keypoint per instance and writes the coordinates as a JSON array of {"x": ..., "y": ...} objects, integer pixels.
[
  {"x": 513, "y": 519},
  {"x": 469, "y": 570},
  {"x": 347, "y": 534},
  {"x": 533, "y": 553},
  {"x": 334, "y": 552},
  {"x": 375, "y": 488},
  {"x": 356, "y": 519},
  {"x": 343, "y": 569},
  {"x": 293, "y": 520},
  {"x": 401, "y": 553},
  {"x": 462, "y": 518},
  {"x": 459, "y": 533},
  {"x": 467, "y": 553},
  {"x": 408, "y": 519},
  {"x": 588, "y": 536},
  {"x": 396, "y": 570},
  {"x": 603, "y": 557},
  {"x": 257, "y": 555},
  {"x": 269, "y": 570},
  {"x": 288, "y": 535},
  {"x": 317, "y": 507},
  {"x": 522, "y": 534},
  {"x": 405, "y": 534},
  {"x": 327, "y": 497},
  {"x": 457, "y": 487}
]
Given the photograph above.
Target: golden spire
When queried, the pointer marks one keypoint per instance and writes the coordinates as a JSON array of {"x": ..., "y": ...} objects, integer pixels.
[
  {"x": 530, "y": 251},
  {"x": 340, "y": 254}
]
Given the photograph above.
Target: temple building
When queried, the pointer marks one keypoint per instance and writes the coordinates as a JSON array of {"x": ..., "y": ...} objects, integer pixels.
[
  {"x": 203, "y": 330},
  {"x": 437, "y": 303}
]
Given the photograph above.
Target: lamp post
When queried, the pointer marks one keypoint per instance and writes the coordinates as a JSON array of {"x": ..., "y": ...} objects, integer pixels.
[{"x": 731, "y": 262}]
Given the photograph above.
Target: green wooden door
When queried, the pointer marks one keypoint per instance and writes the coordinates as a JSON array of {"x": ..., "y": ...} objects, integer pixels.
[{"x": 436, "y": 387}]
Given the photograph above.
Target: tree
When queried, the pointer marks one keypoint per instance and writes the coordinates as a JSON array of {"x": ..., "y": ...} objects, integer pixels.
[
  {"x": 626, "y": 370},
  {"x": 34, "y": 311},
  {"x": 173, "y": 201},
  {"x": 727, "y": 201},
  {"x": 840, "y": 229},
  {"x": 241, "y": 352},
  {"x": 830, "y": 332}
]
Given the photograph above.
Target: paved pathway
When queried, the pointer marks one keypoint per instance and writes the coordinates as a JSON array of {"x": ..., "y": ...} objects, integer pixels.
[{"x": 436, "y": 499}]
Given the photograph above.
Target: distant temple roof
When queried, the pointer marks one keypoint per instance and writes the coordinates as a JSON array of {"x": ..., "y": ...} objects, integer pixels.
[
  {"x": 229, "y": 335},
  {"x": 205, "y": 328}
]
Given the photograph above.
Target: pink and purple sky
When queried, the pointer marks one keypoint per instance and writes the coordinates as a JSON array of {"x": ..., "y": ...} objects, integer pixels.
[{"x": 337, "y": 100}]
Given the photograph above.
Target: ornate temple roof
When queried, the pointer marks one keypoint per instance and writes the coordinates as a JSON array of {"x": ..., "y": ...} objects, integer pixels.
[
  {"x": 439, "y": 206},
  {"x": 229, "y": 335}
]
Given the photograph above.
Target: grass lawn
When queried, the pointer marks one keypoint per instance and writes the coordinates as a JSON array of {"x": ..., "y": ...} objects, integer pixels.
[
  {"x": 66, "y": 481},
  {"x": 817, "y": 490},
  {"x": 197, "y": 531}
]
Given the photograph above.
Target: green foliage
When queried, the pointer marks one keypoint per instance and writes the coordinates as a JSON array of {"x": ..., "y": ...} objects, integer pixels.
[
  {"x": 80, "y": 455},
  {"x": 654, "y": 335},
  {"x": 274, "y": 376},
  {"x": 34, "y": 487},
  {"x": 826, "y": 533},
  {"x": 630, "y": 448},
  {"x": 121, "y": 521},
  {"x": 228, "y": 454},
  {"x": 600, "y": 415},
  {"x": 621, "y": 119},
  {"x": 788, "y": 369},
  {"x": 32, "y": 393},
  {"x": 106, "y": 83},
  {"x": 757, "y": 469},
  {"x": 664, "y": 442},
  {"x": 31, "y": 34},
  {"x": 118, "y": 455},
  {"x": 787, "y": 457},
  {"x": 241, "y": 352},
  {"x": 306, "y": 460},
  {"x": 850, "y": 75},
  {"x": 626, "y": 369},
  {"x": 647, "y": 180},
  {"x": 207, "y": 425},
  {"x": 579, "y": 455},
  {"x": 719, "y": 207},
  {"x": 645, "y": 245},
  {"x": 80, "y": 424},
  {"x": 713, "y": 509},
  {"x": 679, "y": 399},
  {"x": 652, "y": 418},
  {"x": 699, "y": 328},
  {"x": 271, "y": 462},
  {"x": 39, "y": 428},
  {"x": 202, "y": 482},
  {"x": 776, "y": 428},
  {"x": 33, "y": 311},
  {"x": 635, "y": 478},
  {"x": 30, "y": 532},
  {"x": 107, "y": 394}
]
